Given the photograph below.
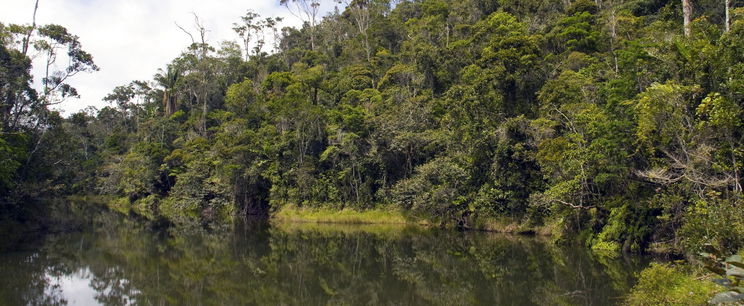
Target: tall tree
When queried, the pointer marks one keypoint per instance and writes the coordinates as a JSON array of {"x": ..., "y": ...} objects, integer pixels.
[
  {"x": 727, "y": 20},
  {"x": 308, "y": 11},
  {"x": 687, "y": 15},
  {"x": 246, "y": 30},
  {"x": 360, "y": 10},
  {"x": 168, "y": 80}
]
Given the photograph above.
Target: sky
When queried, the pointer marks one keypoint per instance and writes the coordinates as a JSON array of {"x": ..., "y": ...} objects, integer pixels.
[{"x": 131, "y": 39}]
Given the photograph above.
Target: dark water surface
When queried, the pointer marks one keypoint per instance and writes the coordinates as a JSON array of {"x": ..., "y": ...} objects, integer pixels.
[{"x": 119, "y": 261}]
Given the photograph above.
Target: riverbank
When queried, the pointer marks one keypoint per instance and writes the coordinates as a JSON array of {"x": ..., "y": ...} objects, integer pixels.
[
  {"x": 292, "y": 213},
  {"x": 393, "y": 216}
]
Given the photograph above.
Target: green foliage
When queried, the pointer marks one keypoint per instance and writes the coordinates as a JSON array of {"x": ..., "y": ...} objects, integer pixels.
[
  {"x": 513, "y": 173},
  {"x": 240, "y": 96},
  {"x": 714, "y": 220},
  {"x": 437, "y": 188},
  {"x": 11, "y": 156},
  {"x": 663, "y": 110},
  {"x": 664, "y": 284},
  {"x": 140, "y": 170},
  {"x": 576, "y": 33},
  {"x": 628, "y": 228}
]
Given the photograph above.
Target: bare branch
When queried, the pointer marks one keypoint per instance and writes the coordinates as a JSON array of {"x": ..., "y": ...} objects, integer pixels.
[
  {"x": 574, "y": 205},
  {"x": 27, "y": 40},
  {"x": 187, "y": 32}
]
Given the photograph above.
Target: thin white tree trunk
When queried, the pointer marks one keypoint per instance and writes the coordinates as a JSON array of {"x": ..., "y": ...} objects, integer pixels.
[
  {"x": 687, "y": 13},
  {"x": 728, "y": 17}
]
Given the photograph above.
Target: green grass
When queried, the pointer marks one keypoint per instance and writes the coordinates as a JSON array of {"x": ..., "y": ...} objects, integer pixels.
[
  {"x": 387, "y": 230},
  {"x": 291, "y": 213},
  {"x": 511, "y": 226}
]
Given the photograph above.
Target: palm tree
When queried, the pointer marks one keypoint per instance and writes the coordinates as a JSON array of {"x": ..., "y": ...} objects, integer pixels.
[{"x": 168, "y": 79}]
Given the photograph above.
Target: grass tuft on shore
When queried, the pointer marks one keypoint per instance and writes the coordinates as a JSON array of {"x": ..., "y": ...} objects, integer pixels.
[{"x": 292, "y": 213}]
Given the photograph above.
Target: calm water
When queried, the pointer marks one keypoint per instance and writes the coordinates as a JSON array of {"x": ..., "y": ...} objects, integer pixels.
[{"x": 117, "y": 261}]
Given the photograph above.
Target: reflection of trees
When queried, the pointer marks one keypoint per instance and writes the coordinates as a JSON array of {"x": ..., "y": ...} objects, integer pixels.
[
  {"x": 130, "y": 262},
  {"x": 25, "y": 281}
]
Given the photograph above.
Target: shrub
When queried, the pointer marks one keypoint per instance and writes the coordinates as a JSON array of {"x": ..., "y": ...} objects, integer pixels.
[
  {"x": 435, "y": 189},
  {"x": 716, "y": 221},
  {"x": 665, "y": 284}
]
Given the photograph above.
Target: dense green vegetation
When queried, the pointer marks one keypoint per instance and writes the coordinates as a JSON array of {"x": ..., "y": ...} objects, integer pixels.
[
  {"x": 38, "y": 152},
  {"x": 600, "y": 118}
]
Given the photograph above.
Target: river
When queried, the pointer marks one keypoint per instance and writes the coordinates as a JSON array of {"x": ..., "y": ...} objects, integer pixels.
[{"x": 117, "y": 260}]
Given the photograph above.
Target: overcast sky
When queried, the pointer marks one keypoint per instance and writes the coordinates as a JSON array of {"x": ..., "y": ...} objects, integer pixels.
[{"x": 131, "y": 39}]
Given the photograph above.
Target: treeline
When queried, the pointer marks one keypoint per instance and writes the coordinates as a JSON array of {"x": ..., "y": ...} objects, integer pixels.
[
  {"x": 38, "y": 151},
  {"x": 617, "y": 122}
]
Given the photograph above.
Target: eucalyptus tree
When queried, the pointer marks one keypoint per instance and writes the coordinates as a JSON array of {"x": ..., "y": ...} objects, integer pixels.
[
  {"x": 360, "y": 10},
  {"x": 247, "y": 30},
  {"x": 687, "y": 16},
  {"x": 727, "y": 13},
  {"x": 308, "y": 11},
  {"x": 253, "y": 31}
]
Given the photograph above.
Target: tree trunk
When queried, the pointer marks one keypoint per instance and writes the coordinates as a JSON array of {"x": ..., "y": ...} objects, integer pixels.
[
  {"x": 728, "y": 17},
  {"x": 366, "y": 46},
  {"x": 169, "y": 103},
  {"x": 613, "y": 33},
  {"x": 166, "y": 103},
  {"x": 687, "y": 13},
  {"x": 204, "y": 117}
]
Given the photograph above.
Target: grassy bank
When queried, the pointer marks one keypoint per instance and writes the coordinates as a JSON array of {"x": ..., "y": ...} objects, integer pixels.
[
  {"x": 291, "y": 213},
  {"x": 387, "y": 230},
  {"x": 512, "y": 226}
]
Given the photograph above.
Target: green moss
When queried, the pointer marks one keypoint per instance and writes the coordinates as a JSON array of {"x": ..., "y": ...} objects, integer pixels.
[
  {"x": 291, "y": 213},
  {"x": 665, "y": 284}
]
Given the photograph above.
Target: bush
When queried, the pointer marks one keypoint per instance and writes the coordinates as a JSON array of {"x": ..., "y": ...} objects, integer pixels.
[
  {"x": 665, "y": 284},
  {"x": 720, "y": 222},
  {"x": 435, "y": 189}
]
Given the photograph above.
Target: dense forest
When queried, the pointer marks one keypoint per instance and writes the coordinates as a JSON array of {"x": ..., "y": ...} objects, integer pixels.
[{"x": 616, "y": 122}]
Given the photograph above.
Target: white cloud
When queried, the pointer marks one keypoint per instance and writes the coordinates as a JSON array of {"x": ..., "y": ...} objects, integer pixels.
[{"x": 131, "y": 39}]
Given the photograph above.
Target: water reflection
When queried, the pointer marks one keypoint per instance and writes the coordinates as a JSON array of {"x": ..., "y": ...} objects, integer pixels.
[{"x": 119, "y": 262}]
